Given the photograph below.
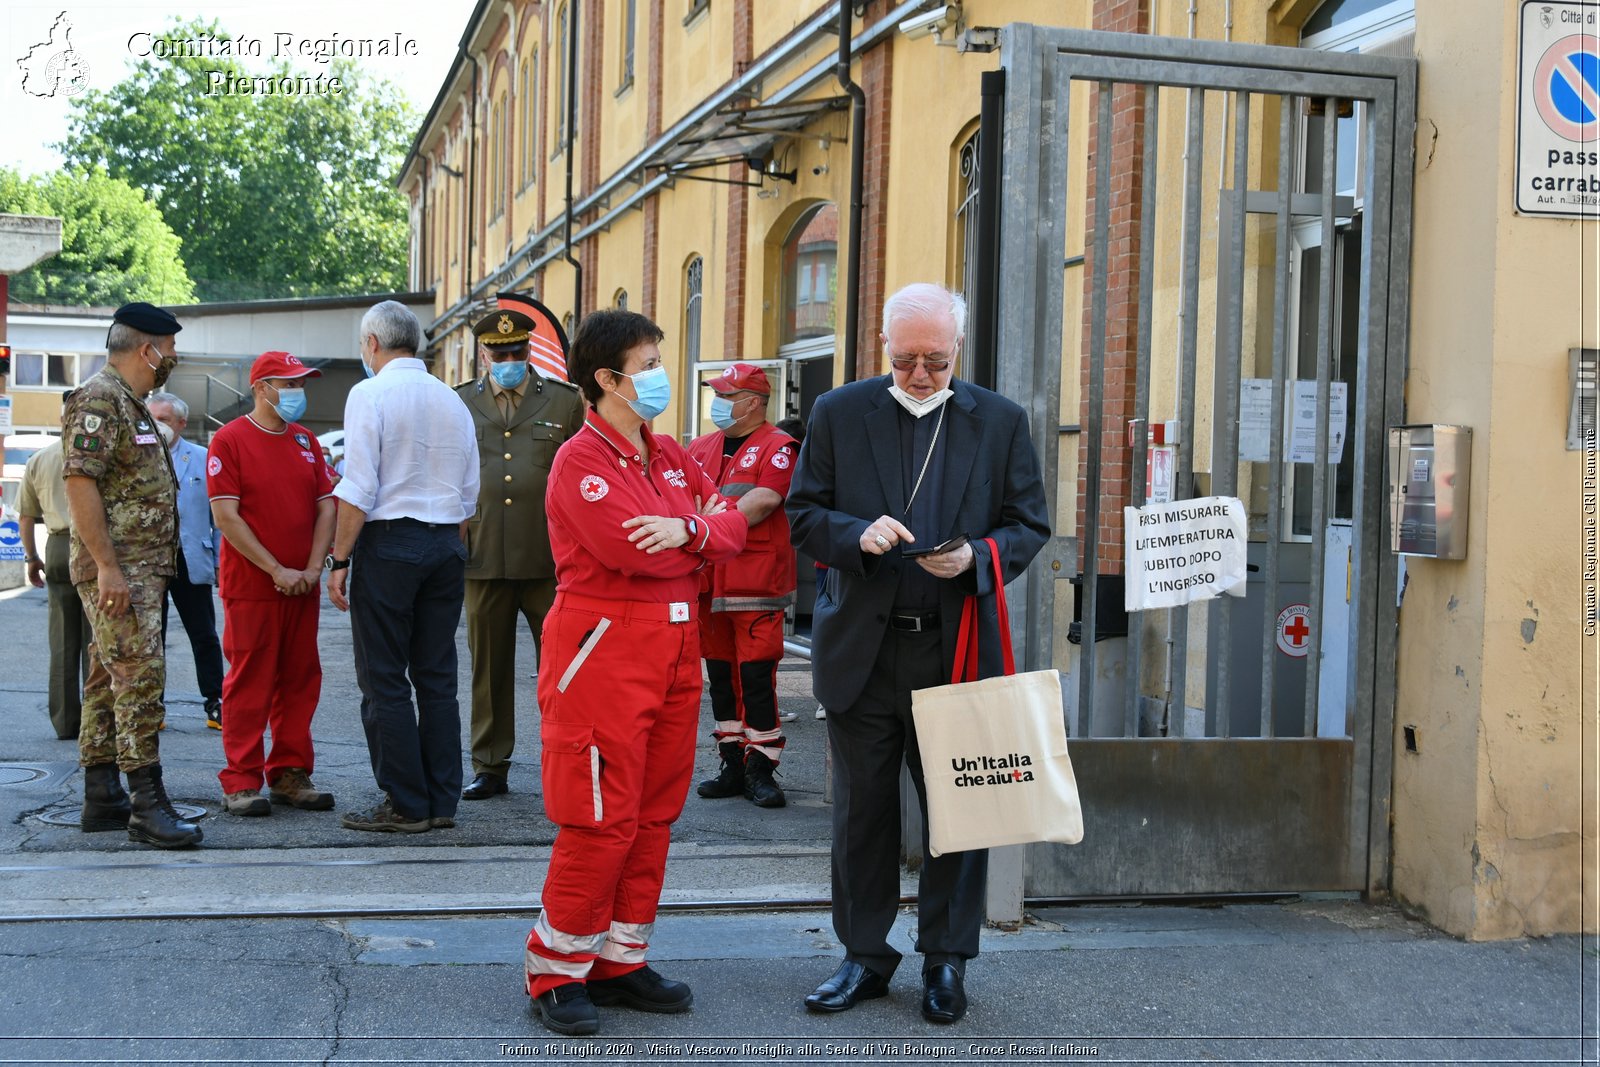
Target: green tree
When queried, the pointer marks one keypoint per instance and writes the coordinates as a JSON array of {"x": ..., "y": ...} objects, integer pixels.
[
  {"x": 274, "y": 195},
  {"x": 115, "y": 246}
]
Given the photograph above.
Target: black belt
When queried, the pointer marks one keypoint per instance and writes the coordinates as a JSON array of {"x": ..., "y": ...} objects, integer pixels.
[
  {"x": 394, "y": 524},
  {"x": 915, "y": 623}
]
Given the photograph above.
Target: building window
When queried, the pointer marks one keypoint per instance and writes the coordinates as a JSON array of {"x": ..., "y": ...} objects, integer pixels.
[
  {"x": 965, "y": 231},
  {"x": 696, "y": 9},
  {"x": 530, "y": 78},
  {"x": 694, "y": 276},
  {"x": 810, "y": 255},
  {"x": 54, "y": 370},
  {"x": 619, "y": 300},
  {"x": 630, "y": 21},
  {"x": 564, "y": 25},
  {"x": 494, "y": 161}
]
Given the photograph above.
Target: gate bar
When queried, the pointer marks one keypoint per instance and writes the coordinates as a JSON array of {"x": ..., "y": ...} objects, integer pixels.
[
  {"x": 1223, "y": 79},
  {"x": 1183, "y": 488},
  {"x": 1089, "y": 526},
  {"x": 1319, "y": 455},
  {"x": 1288, "y": 107},
  {"x": 1141, "y": 388},
  {"x": 1226, "y": 370}
]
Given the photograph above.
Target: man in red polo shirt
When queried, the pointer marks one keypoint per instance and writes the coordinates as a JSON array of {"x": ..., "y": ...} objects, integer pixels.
[
  {"x": 743, "y": 600},
  {"x": 273, "y": 501}
]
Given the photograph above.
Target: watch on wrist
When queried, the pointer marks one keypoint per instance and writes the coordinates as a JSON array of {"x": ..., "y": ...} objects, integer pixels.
[{"x": 334, "y": 564}]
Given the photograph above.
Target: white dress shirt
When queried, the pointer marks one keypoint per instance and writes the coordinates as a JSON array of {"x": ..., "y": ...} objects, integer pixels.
[{"x": 410, "y": 447}]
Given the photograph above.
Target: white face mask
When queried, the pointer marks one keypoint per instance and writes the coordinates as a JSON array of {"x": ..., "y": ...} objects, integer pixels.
[
  {"x": 917, "y": 407},
  {"x": 166, "y": 432}
]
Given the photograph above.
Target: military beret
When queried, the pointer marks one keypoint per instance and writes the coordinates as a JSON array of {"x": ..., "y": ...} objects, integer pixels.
[
  {"x": 147, "y": 318},
  {"x": 503, "y": 327}
]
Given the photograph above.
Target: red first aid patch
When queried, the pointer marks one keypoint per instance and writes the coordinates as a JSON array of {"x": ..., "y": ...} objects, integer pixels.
[
  {"x": 593, "y": 487},
  {"x": 780, "y": 459},
  {"x": 214, "y": 466}
]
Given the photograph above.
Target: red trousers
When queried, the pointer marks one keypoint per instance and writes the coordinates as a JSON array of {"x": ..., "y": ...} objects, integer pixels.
[
  {"x": 742, "y": 650},
  {"x": 274, "y": 681},
  {"x": 619, "y": 700}
]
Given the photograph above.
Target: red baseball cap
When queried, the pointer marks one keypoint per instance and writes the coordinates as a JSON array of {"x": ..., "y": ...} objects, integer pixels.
[
  {"x": 740, "y": 378},
  {"x": 280, "y": 365}
]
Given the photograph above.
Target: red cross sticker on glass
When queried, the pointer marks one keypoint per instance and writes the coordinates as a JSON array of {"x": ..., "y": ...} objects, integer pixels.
[{"x": 1294, "y": 630}]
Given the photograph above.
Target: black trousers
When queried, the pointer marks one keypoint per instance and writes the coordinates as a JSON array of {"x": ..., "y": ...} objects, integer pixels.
[
  {"x": 199, "y": 615},
  {"x": 869, "y": 739},
  {"x": 407, "y": 581}
]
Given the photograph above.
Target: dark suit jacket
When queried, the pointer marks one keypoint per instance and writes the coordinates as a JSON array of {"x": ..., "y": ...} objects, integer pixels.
[{"x": 850, "y": 473}]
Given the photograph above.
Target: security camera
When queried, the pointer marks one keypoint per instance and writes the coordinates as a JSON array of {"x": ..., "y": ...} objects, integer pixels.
[{"x": 936, "y": 21}]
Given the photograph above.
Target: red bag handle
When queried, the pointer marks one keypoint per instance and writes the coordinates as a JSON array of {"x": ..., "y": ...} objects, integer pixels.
[{"x": 966, "y": 665}]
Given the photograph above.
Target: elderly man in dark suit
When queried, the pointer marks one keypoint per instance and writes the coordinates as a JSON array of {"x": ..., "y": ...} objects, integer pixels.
[{"x": 946, "y": 458}]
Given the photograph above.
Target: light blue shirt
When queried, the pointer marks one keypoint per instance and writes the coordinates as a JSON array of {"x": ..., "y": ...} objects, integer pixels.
[
  {"x": 196, "y": 533},
  {"x": 410, "y": 450}
]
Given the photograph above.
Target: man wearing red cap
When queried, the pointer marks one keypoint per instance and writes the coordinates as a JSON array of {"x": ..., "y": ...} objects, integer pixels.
[
  {"x": 273, "y": 501},
  {"x": 743, "y": 600}
]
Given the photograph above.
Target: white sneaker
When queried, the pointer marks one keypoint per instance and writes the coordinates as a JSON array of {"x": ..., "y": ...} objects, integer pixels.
[
  {"x": 787, "y": 716},
  {"x": 822, "y": 712}
]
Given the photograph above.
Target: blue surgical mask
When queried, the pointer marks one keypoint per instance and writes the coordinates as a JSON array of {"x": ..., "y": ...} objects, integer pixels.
[
  {"x": 654, "y": 389},
  {"x": 291, "y": 404},
  {"x": 722, "y": 412},
  {"x": 509, "y": 375},
  {"x": 365, "y": 369}
]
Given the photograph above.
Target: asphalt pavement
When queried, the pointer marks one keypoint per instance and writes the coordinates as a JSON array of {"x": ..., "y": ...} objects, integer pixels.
[{"x": 291, "y": 940}]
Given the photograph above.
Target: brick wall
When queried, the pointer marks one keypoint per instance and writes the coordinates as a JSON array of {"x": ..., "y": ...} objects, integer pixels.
[
  {"x": 874, "y": 72},
  {"x": 737, "y": 258},
  {"x": 652, "y": 130},
  {"x": 1122, "y": 291}
]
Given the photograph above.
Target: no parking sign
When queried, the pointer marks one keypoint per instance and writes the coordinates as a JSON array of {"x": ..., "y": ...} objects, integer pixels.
[{"x": 1558, "y": 109}]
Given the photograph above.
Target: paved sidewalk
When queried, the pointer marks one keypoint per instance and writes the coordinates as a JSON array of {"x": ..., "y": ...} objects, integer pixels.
[{"x": 136, "y": 955}]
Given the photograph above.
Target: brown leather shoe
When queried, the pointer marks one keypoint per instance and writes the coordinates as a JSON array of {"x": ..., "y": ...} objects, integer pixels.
[{"x": 294, "y": 787}]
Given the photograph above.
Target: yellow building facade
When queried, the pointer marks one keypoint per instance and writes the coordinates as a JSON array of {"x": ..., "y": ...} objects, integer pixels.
[{"x": 709, "y": 161}]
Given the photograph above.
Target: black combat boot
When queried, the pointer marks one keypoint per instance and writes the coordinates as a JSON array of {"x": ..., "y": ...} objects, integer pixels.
[
  {"x": 759, "y": 788},
  {"x": 105, "y": 805},
  {"x": 729, "y": 781},
  {"x": 155, "y": 821}
]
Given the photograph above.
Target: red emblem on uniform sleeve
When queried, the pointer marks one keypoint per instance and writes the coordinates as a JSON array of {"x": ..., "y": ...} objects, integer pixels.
[
  {"x": 214, "y": 466},
  {"x": 593, "y": 487},
  {"x": 780, "y": 459}
]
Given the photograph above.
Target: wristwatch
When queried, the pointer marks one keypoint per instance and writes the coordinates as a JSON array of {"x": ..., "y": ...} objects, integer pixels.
[{"x": 334, "y": 564}]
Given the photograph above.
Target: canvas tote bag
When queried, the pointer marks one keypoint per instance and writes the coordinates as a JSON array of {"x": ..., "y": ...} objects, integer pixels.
[{"x": 994, "y": 752}]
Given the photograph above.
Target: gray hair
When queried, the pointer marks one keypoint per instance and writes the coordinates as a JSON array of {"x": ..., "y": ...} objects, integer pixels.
[
  {"x": 925, "y": 300},
  {"x": 394, "y": 326},
  {"x": 176, "y": 402},
  {"x": 124, "y": 338}
]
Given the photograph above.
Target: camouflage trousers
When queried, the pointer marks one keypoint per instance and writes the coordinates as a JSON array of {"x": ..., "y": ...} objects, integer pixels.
[{"x": 122, "y": 708}]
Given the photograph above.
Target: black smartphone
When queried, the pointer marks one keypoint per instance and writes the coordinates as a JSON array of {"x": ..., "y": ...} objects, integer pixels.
[{"x": 912, "y": 551}]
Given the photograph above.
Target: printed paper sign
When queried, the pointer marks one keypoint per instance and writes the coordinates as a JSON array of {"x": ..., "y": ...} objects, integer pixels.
[
  {"x": 1299, "y": 424},
  {"x": 1180, "y": 553}
]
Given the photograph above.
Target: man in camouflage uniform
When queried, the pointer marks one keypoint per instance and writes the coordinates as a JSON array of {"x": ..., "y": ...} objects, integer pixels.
[{"x": 123, "y": 496}]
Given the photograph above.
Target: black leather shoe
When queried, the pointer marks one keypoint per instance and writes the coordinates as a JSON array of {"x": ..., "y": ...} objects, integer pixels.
[
  {"x": 642, "y": 990},
  {"x": 484, "y": 786},
  {"x": 567, "y": 1009},
  {"x": 944, "y": 998},
  {"x": 850, "y": 984}
]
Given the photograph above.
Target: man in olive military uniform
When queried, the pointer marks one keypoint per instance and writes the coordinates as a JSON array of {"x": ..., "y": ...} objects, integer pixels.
[
  {"x": 123, "y": 497},
  {"x": 521, "y": 419}
]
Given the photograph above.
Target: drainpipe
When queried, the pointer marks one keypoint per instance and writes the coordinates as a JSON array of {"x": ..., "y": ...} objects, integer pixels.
[
  {"x": 472, "y": 173},
  {"x": 858, "y": 148},
  {"x": 572, "y": 117}
]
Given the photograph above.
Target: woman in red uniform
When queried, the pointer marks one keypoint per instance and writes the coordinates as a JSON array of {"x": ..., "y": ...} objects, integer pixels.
[{"x": 633, "y": 520}]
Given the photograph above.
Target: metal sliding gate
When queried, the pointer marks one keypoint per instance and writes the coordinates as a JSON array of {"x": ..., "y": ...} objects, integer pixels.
[{"x": 1243, "y": 746}]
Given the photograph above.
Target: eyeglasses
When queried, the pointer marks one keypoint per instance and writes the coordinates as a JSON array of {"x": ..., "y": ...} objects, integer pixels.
[{"x": 933, "y": 362}]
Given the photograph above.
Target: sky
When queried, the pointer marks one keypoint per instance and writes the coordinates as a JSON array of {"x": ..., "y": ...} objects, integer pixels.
[{"x": 104, "y": 36}]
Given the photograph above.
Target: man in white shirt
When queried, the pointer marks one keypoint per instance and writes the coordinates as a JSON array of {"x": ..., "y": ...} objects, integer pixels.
[{"x": 398, "y": 566}]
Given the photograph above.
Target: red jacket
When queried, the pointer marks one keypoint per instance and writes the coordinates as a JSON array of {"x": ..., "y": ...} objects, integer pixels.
[
  {"x": 597, "y": 482},
  {"x": 762, "y": 577}
]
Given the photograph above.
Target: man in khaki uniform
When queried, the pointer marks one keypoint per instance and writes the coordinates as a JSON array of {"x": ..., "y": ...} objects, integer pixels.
[
  {"x": 44, "y": 499},
  {"x": 123, "y": 497},
  {"x": 521, "y": 418}
]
